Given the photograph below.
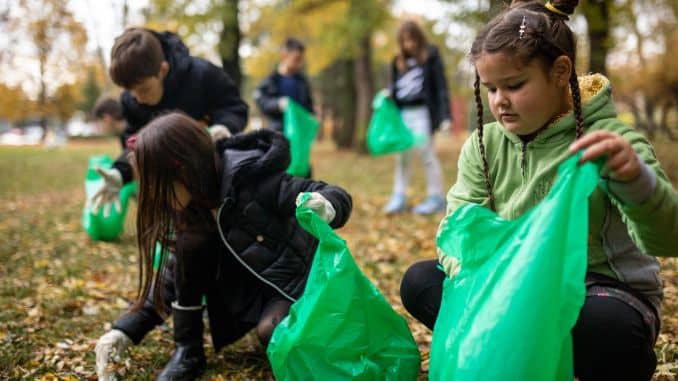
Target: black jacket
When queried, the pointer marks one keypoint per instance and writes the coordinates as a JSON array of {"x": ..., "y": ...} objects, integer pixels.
[
  {"x": 268, "y": 93},
  {"x": 435, "y": 88},
  {"x": 193, "y": 85},
  {"x": 257, "y": 219}
]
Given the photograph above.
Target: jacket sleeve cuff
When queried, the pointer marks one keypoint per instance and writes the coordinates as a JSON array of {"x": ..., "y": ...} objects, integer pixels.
[{"x": 637, "y": 191}]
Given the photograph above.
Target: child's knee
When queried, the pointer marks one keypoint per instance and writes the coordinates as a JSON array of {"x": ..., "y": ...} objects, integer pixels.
[
  {"x": 612, "y": 342},
  {"x": 265, "y": 331},
  {"x": 270, "y": 319},
  {"x": 414, "y": 281}
]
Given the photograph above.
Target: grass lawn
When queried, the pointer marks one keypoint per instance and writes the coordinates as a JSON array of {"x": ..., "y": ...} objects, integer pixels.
[{"x": 59, "y": 291}]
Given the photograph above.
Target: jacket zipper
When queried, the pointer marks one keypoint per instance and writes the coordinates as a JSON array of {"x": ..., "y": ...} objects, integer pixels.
[
  {"x": 242, "y": 262},
  {"x": 523, "y": 159}
]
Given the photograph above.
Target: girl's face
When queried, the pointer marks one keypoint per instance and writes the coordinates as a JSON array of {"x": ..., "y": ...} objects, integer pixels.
[
  {"x": 409, "y": 45},
  {"x": 523, "y": 97}
]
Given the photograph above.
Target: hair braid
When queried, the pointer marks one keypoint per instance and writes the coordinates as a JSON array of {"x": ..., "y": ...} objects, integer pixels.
[
  {"x": 576, "y": 100},
  {"x": 486, "y": 169}
]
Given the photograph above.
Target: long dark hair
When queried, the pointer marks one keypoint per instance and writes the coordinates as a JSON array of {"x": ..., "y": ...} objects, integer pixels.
[
  {"x": 545, "y": 36},
  {"x": 172, "y": 148},
  {"x": 412, "y": 30}
]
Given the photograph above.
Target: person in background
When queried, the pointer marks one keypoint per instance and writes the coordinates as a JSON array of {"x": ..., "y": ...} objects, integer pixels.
[
  {"x": 286, "y": 82},
  {"x": 107, "y": 113},
  {"x": 419, "y": 89}
]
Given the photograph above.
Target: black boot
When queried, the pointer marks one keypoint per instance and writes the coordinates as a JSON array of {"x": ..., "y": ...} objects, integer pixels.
[{"x": 188, "y": 359}]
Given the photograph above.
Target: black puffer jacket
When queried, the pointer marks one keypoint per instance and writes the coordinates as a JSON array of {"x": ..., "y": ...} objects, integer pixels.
[
  {"x": 257, "y": 220},
  {"x": 193, "y": 85},
  {"x": 257, "y": 216}
]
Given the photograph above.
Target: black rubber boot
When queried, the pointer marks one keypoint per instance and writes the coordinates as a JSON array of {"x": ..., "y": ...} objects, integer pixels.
[{"x": 188, "y": 359}]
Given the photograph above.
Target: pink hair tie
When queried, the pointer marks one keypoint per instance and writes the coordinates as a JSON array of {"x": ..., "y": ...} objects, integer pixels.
[{"x": 131, "y": 142}]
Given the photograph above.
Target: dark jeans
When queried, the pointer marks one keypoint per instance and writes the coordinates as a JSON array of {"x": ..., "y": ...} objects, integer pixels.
[{"x": 611, "y": 340}]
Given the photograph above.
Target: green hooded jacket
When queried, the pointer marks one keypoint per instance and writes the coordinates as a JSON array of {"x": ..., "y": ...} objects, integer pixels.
[{"x": 625, "y": 233}]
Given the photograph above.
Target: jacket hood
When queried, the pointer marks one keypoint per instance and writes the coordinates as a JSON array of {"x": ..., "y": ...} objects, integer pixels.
[
  {"x": 249, "y": 156},
  {"x": 597, "y": 104}
]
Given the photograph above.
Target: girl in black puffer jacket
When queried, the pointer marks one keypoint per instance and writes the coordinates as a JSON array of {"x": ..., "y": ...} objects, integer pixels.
[{"x": 237, "y": 240}]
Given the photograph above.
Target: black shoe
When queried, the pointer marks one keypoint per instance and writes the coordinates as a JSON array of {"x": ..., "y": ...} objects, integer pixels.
[{"x": 188, "y": 360}]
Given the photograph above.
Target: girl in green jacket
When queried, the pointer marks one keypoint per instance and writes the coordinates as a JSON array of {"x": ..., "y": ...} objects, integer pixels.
[{"x": 525, "y": 59}]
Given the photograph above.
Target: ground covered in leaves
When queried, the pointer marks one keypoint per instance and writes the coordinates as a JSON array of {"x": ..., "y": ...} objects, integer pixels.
[{"x": 59, "y": 291}]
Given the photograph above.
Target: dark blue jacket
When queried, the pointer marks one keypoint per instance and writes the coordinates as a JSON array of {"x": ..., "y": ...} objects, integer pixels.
[
  {"x": 268, "y": 93},
  {"x": 193, "y": 85}
]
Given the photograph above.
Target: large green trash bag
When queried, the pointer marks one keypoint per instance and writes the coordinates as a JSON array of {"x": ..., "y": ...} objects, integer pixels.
[
  {"x": 387, "y": 132},
  {"x": 508, "y": 313},
  {"x": 96, "y": 225},
  {"x": 300, "y": 128},
  {"x": 341, "y": 328}
]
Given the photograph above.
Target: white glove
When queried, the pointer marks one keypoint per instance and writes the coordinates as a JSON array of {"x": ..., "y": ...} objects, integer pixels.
[
  {"x": 283, "y": 102},
  {"x": 109, "y": 347},
  {"x": 219, "y": 131},
  {"x": 385, "y": 92},
  {"x": 320, "y": 205},
  {"x": 450, "y": 264},
  {"x": 109, "y": 193},
  {"x": 445, "y": 125}
]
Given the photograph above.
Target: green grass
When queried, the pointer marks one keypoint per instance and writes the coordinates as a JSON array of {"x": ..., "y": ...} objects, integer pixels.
[
  {"x": 59, "y": 290},
  {"x": 36, "y": 170}
]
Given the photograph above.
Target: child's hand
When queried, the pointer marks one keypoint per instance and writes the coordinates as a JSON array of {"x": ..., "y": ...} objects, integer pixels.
[
  {"x": 320, "y": 205},
  {"x": 622, "y": 161}
]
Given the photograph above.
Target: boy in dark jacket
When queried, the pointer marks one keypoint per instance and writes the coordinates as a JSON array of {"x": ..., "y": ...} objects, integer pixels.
[
  {"x": 237, "y": 238},
  {"x": 286, "y": 82},
  {"x": 158, "y": 76}
]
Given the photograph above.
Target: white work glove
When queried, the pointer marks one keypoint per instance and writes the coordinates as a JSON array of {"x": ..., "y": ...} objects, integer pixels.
[
  {"x": 109, "y": 347},
  {"x": 109, "y": 193},
  {"x": 320, "y": 205},
  {"x": 282, "y": 103},
  {"x": 385, "y": 92},
  {"x": 445, "y": 125},
  {"x": 450, "y": 264},
  {"x": 219, "y": 131}
]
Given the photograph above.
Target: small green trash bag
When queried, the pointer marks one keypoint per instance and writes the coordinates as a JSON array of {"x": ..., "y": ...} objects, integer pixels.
[
  {"x": 387, "y": 132},
  {"x": 97, "y": 226},
  {"x": 508, "y": 313},
  {"x": 300, "y": 128},
  {"x": 341, "y": 328}
]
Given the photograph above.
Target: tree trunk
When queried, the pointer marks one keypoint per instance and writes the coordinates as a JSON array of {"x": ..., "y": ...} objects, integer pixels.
[
  {"x": 364, "y": 90},
  {"x": 229, "y": 41},
  {"x": 597, "y": 14},
  {"x": 338, "y": 103},
  {"x": 42, "y": 97},
  {"x": 663, "y": 120}
]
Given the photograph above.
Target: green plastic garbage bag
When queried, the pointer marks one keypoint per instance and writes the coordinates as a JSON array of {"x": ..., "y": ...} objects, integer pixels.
[
  {"x": 508, "y": 313},
  {"x": 341, "y": 328},
  {"x": 300, "y": 128},
  {"x": 97, "y": 226},
  {"x": 387, "y": 132}
]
